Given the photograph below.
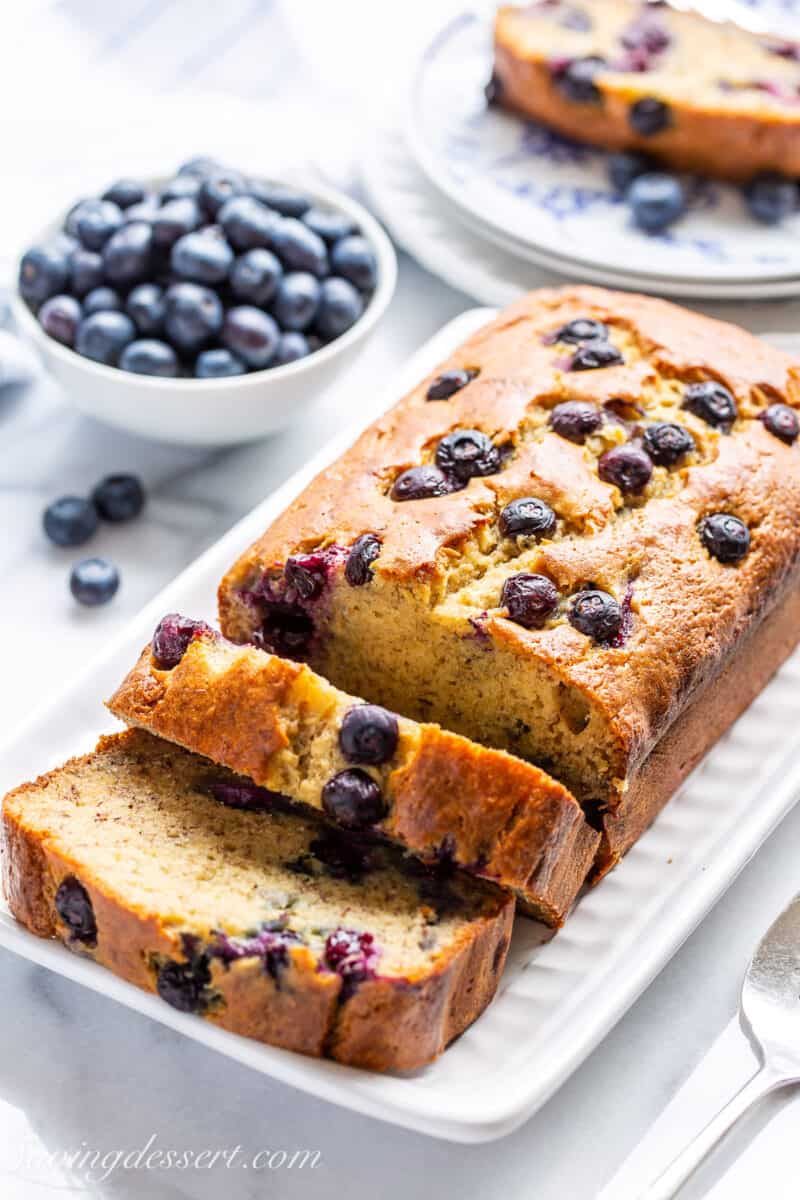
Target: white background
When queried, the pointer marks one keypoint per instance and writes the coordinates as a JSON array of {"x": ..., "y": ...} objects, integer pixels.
[{"x": 80, "y": 83}]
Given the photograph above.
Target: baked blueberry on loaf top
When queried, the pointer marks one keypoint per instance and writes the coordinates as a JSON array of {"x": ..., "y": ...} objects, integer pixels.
[
  {"x": 555, "y": 544},
  {"x": 433, "y": 792},
  {"x": 142, "y": 857},
  {"x": 624, "y": 74}
]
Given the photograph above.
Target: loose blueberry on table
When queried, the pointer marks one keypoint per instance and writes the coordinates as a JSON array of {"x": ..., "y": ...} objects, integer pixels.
[
  {"x": 213, "y": 276},
  {"x": 94, "y": 581}
]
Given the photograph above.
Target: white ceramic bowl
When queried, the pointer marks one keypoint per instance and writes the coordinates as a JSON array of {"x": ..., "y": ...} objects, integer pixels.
[{"x": 215, "y": 412}]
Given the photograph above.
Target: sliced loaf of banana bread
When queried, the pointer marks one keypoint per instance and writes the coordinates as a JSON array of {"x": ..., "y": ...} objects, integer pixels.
[
  {"x": 565, "y": 536},
  {"x": 435, "y": 793},
  {"x": 145, "y": 858},
  {"x": 627, "y": 74}
]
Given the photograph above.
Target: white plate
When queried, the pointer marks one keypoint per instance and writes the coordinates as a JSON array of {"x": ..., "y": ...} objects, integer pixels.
[
  {"x": 524, "y": 182},
  {"x": 556, "y": 1000},
  {"x": 441, "y": 237}
]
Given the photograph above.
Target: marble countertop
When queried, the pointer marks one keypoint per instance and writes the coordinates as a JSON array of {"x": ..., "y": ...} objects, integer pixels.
[{"x": 81, "y": 1075}]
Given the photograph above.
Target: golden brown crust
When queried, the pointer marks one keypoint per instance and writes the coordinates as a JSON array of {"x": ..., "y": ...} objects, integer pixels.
[
  {"x": 712, "y": 130},
  {"x": 690, "y": 612},
  {"x": 387, "y": 1025},
  {"x": 711, "y": 714},
  {"x": 497, "y": 816}
]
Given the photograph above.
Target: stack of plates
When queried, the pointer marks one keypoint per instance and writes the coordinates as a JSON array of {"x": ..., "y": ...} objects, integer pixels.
[{"x": 487, "y": 195}]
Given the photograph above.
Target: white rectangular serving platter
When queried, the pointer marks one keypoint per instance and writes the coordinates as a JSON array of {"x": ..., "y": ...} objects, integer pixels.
[{"x": 557, "y": 1000}]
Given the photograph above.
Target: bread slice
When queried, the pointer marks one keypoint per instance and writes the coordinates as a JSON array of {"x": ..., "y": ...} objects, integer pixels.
[
  {"x": 265, "y": 923},
  {"x": 433, "y": 792},
  {"x": 698, "y": 94}
]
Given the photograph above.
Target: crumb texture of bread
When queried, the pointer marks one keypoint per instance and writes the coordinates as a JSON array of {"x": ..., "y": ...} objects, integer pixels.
[
  {"x": 428, "y": 633},
  {"x": 698, "y": 94},
  {"x": 266, "y": 923},
  {"x": 281, "y": 725}
]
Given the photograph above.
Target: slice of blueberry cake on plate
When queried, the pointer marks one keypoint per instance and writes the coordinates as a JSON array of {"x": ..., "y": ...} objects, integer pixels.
[
  {"x": 147, "y": 859},
  {"x": 629, "y": 75},
  {"x": 369, "y": 770}
]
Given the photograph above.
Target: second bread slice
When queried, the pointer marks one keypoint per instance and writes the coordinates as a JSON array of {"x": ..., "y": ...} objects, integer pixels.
[{"x": 290, "y": 731}]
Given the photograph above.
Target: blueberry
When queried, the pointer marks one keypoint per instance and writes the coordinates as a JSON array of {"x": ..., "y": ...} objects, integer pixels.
[
  {"x": 628, "y": 467},
  {"x": 771, "y": 197},
  {"x": 101, "y": 299},
  {"x": 146, "y": 211},
  {"x": 781, "y": 421},
  {"x": 199, "y": 166},
  {"x": 582, "y": 329},
  {"x": 252, "y": 334},
  {"x": 59, "y": 317},
  {"x": 103, "y": 336},
  {"x": 493, "y": 90},
  {"x": 420, "y": 483},
  {"x": 596, "y": 614},
  {"x": 233, "y": 795},
  {"x": 184, "y": 985},
  {"x": 449, "y": 382},
  {"x": 329, "y": 225},
  {"x": 254, "y": 277},
  {"x": 94, "y": 581},
  {"x": 358, "y": 568},
  {"x": 65, "y": 243},
  {"x": 182, "y": 187},
  {"x": 667, "y": 443},
  {"x": 575, "y": 420},
  {"x": 85, "y": 271},
  {"x": 74, "y": 906},
  {"x": 592, "y": 355},
  {"x": 369, "y": 734},
  {"x": 353, "y": 258},
  {"x": 95, "y": 221},
  {"x": 171, "y": 640},
  {"x": 353, "y": 956},
  {"x": 248, "y": 224},
  {"x": 649, "y": 116},
  {"x": 725, "y": 537},
  {"x": 287, "y": 632},
  {"x": 530, "y": 599},
  {"x": 218, "y": 364},
  {"x": 353, "y": 799},
  {"x": 466, "y": 453},
  {"x": 124, "y": 193},
  {"x": 656, "y": 200},
  {"x": 626, "y": 166},
  {"x": 147, "y": 308},
  {"x": 149, "y": 356},
  {"x": 576, "y": 79},
  {"x": 296, "y": 300},
  {"x": 292, "y": 346},
  {"x": 119, "y": 497},
  {"x": 202, "y": 258},
  {"x": 340, "y": 306},
  {"x": 299, "y": 248},
  {"x": 217, "y": 188},
  {"x": 284, "y": 200},
  {"x": 175, "y": 220},
  {"x": 70, "y": 521},
  {"x": 127, "y": 254},
  {"x": 194, "y": 315},
  {"x": 43, "y": 272},
  {"x": 308, "y": 574},
  {"x": 527, "y": 517},
  {"x": 711, "y": 402}
]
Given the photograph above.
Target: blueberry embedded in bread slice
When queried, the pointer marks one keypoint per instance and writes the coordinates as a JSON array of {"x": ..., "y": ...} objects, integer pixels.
[
  {"x": 290, "y": 731},
  {"x": 252, "y": 920}
]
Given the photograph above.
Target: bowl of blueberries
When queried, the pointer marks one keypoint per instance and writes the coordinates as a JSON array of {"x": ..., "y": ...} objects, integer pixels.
[{"x": 205, "y": 308}]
